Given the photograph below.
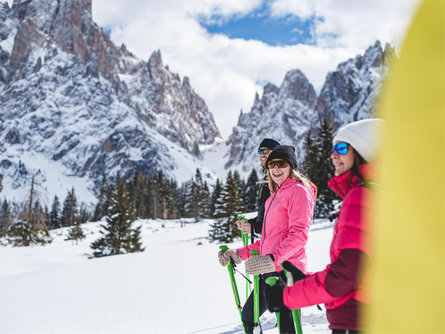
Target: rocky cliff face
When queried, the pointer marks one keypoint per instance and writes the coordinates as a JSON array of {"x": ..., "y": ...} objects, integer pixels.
[
  {"x": 69, "y": 96},
  {"x": 349, "y": 93},
  {"x": 279, "y": 114},
  {"x": 288, "y": 112}
]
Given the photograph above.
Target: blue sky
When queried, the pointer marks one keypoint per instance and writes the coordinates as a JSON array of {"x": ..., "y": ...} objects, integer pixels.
[{"x": 258, "y": 25}]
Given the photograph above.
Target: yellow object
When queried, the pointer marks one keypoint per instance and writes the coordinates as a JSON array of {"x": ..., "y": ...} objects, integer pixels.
[{"x": 407, "y": 276}]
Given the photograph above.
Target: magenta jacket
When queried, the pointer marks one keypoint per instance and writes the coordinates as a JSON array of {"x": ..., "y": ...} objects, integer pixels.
[
  {"x": 340, "y": 286},
  {"x": 288, "y": 214}
]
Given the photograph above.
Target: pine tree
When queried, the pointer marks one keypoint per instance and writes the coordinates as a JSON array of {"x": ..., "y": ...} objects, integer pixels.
[
  {"x": 69, "y": 211},
  {"x": 54, "y": 216},
  {"x": 197, "y": 197},
  {"x": 173, "y": 200},
  {"x": 326, "y": 197},
  {"x": 30, "y": 225},
  {"x": 318, "y": 167},
  {"x": 136, "y": 189},
  {"x": 309, "y": 166},
  {"x": 102, "y": 205},
  {"x": 84, "y": 215},
  {"x": 215, "y": 195},
  {"x": 118, "y": 235},
  {"x": 1, "y": 179},
  {"x": 251, "y": 192},
  {"x": 205, "y": 201},
  {"x": 75, "y": 232},
  {"x": 5, "y": 219},
  {"x": 228, "y": 205}
]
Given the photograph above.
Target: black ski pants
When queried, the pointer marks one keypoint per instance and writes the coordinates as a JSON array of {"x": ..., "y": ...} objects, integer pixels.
[{"x": 286, "y": 320}]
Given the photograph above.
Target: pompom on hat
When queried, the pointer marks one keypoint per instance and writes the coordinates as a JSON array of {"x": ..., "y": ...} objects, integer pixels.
[
  {"x": 269, "y": 143},
  {"x": 285, "y": 153},
  {"x": 362, "y": 135}
]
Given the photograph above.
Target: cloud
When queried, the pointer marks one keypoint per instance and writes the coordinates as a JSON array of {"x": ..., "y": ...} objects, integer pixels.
[{"x": 225, "y": 71}]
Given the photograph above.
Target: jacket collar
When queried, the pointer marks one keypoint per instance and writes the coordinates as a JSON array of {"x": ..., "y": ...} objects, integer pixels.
[
  {"x": 343, "y": 183},
  {"x": 287, "y": 183}
]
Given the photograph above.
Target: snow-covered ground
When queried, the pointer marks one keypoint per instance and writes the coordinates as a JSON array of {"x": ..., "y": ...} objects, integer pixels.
[{"x": 175, "y": 286}]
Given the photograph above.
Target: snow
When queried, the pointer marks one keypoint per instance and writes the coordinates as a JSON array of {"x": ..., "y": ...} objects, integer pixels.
[{"x": 175, "y": 286}]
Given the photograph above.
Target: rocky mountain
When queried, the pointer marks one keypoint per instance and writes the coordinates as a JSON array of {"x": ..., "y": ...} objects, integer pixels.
[
  {"x": 76, "y": 105},
  {"x": 288, "y": 112},
  {"x": 279, "y": 114}
]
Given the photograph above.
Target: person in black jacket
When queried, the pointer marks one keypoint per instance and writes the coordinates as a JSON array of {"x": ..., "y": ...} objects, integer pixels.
[{"x": 255, "y": 225}]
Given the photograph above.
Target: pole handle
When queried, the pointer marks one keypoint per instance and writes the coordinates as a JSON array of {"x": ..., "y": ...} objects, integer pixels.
[
  {"x": 244, "y": 219},
  {"x": 272, "y": 280}
]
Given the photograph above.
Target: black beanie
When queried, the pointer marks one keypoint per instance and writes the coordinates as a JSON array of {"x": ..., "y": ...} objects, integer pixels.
[
  {"x": 285, "y": 153},
  {"x": 269, "y": 143}
]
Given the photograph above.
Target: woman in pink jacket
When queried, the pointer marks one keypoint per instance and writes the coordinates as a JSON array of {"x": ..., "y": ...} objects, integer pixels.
[
  {"x": 288, "y": 214},
  {"x": 340, "y": 286}
]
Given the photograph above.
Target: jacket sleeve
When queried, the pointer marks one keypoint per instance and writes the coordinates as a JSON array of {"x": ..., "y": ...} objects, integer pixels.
[
  {"x": 300, "y": 210},
  {"x": 343, "y": 275},
  {"x": 339, "y": 279},
  {"x": 244, "y": 252},
  {"x": 307, "y": 292}
]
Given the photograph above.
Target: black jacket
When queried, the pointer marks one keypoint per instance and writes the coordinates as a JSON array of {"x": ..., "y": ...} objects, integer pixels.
[{"x": 263, "y": 195}]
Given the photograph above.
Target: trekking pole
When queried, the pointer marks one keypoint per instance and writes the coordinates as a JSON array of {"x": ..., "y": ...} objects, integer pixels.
[
  {"x": 296, "y": 314},
  {"x": 234, "y": 287},
  {"x": 245, "y": 237},
  {"x": 256, "y": 299},
  {"x": 271, "y": 281}
]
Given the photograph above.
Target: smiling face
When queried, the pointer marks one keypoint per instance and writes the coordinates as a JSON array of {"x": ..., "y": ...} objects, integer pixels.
[
  {"x": 264, "y": 156},
  {"x": 279, "y": 175},
  {"x": 342, "y": 162}
]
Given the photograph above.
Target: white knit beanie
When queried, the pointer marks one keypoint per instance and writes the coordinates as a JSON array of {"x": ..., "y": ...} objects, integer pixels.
[{"x": 362, "y": 135}]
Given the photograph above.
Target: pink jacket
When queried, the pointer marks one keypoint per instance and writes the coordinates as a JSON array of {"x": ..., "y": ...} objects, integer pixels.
[
  {"x": 350, "y": 232},
  {"x": 288, "y": 214}
]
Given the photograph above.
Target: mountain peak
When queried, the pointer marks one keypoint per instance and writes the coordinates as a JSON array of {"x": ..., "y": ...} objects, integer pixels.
[{"x": 86, "y": 107}]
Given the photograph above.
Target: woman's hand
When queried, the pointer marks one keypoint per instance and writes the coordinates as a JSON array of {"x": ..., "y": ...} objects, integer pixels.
[
  {"x": 224, "y": 257},
  {"x": 259, "y": 264},
  {"x": 243, "y": 226}
]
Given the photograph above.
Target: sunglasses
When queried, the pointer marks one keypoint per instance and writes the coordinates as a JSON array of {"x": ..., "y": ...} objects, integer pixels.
[
  {"x": 341, "y": 148},
  {"x": 280, "y": 164},
  {"x": 264, "y": 150}
]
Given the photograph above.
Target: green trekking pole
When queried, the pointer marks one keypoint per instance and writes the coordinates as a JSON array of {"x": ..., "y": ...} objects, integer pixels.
[
  {"x": 296, "y": 315},
  {"x": 272, "y": 281},
  {"x": 245, "y": 237},
  {"x": 256, "y": 299},
  {"x": 234, "y": 287}
]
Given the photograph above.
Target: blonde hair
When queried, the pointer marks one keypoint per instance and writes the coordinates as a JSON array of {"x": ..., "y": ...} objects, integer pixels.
[{"x": 293, "y": 174}]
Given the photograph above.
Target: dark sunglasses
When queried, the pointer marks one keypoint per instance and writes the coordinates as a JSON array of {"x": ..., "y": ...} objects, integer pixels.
[
  {"x": 341, "y": 148},
  {"x": 264, "y": 150},
  {"x": 280, "y": 164}
]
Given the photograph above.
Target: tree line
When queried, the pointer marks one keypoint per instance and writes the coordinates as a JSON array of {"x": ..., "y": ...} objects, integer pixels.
[{"x": 120, "y": 202}]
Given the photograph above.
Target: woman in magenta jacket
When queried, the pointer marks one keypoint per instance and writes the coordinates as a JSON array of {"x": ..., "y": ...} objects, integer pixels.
[
  {"x": 340, "y": 286},
  {"x": 288, "y": 214}
]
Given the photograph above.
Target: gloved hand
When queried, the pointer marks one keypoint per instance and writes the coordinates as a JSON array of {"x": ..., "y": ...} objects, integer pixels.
[
  {"x": 259, "y": 264},
  {"x": 224, "y": 257},
  {"x": 274, "y": 296},
  {"x": 293, "y": 273}
]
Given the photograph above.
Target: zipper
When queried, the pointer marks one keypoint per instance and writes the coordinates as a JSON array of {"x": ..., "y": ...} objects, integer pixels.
[{"x": 265, "y": 219}]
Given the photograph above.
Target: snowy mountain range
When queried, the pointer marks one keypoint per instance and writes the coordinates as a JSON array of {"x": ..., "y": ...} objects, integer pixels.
[
  {"x": 288, "y": 112},
  {"x": 74, "y": 106}
]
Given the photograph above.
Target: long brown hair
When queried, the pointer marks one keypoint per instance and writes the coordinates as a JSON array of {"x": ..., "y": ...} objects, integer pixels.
[{"x": 293, "y": 174}]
